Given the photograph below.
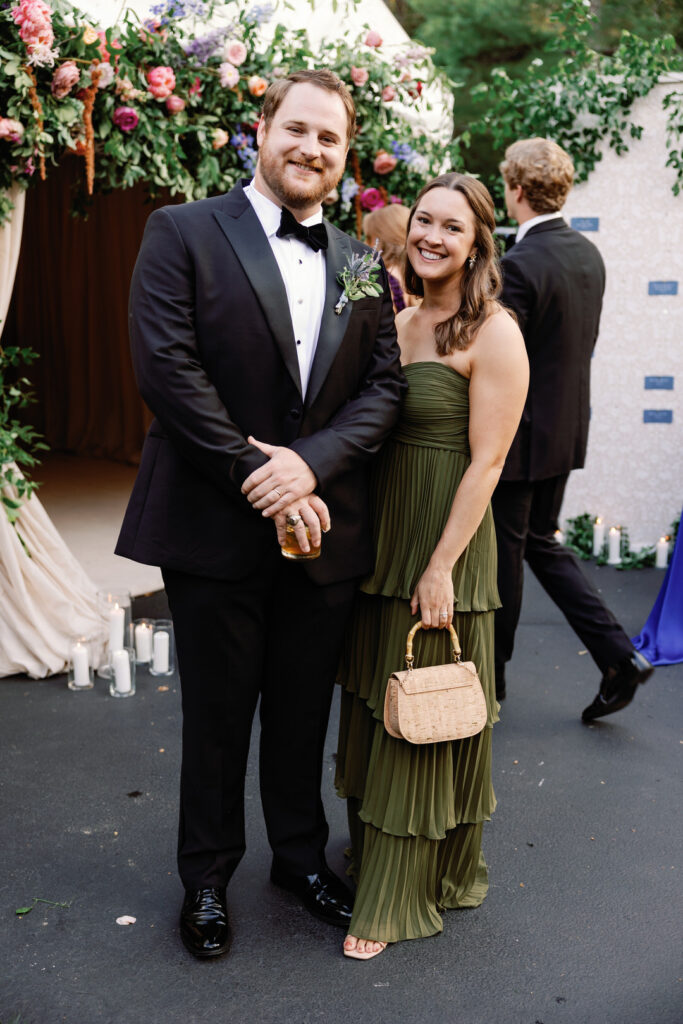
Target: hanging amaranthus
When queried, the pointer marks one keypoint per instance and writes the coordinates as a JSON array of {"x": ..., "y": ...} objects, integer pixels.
[
  {"x": 38, "y": 108},
  {"x": 88, "y": 97}
]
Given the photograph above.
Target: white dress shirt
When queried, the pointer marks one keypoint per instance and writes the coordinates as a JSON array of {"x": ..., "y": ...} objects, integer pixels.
[
  {"x": 303, "y": 272},
  {"x": 523, "y": 228}
]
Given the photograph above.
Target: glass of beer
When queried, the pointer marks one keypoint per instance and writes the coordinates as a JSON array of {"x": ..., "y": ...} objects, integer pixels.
[{"x": 291, "y": 549}]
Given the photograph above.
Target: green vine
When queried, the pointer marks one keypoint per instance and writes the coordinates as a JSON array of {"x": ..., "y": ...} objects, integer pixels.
[
  {"x": 579, "y": 539},
  {"x": 18, "y": 442},
  {"x": 587, "y": 97}
]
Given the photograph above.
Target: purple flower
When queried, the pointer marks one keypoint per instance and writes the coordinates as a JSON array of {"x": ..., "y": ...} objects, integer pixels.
[
  {"x": 125, "y": 118},
  {"x": 205, "y": 46}
]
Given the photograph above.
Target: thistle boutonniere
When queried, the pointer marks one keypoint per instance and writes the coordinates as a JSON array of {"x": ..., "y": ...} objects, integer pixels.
[{"x": 359, "y": 278}]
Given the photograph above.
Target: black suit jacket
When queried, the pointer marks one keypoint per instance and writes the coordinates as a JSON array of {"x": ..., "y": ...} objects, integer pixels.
[
  {"x": 554, "y": 280},
  {"x": 215, "y": 360}
]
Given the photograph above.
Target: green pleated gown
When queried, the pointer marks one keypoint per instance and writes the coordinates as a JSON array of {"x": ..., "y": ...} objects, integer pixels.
[{"x": 416, "y": 811}]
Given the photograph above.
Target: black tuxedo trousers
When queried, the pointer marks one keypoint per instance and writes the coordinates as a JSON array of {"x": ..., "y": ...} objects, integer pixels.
[
  {"x": 273, "y": 635},
  {"x": 526, "y": 517}
]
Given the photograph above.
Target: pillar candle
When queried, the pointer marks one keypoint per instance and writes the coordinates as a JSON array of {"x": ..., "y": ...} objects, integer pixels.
[
  {"x": 614, "y": 546},
  {"x": 598, "y": 536},
  {"x": 116, "y": 626},
  {"x": 161, "y": 648},
  {"x": 81, "y": 665},
  {"x": 662, "y": 553},
  {"x": 143, "y": 642},
  {"x": 121, "y": 664},
  {"x": 559, "y": 536}
]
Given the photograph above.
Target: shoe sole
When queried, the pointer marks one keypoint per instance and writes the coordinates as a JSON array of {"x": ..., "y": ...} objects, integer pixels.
[{"x": 205, "y": 954}]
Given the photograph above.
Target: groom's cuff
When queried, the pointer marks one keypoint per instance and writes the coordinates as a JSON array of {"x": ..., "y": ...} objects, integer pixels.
[{"x": 244, "y": 465}]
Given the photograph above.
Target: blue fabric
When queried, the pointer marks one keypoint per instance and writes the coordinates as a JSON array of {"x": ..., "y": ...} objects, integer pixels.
[{"x": 661, "y": 638}]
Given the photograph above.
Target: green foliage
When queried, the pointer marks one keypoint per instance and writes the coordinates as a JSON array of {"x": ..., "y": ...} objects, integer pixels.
[
  {"x": 18, "y": 443},
  {"x": 642, "y": 559},
  {"x": 209, "y": 144},
  {"x": 579, "y": 535},
  {"x": 585, "y": 99}
]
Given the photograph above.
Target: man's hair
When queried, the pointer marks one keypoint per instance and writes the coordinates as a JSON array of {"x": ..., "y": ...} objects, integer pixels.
[
  {"x": 544, "y": 171},
  {"x": 323, "y": 79}
]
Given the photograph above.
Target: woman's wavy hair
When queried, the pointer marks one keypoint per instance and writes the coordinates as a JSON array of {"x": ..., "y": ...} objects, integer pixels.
[{"x": 481, "y": 283}]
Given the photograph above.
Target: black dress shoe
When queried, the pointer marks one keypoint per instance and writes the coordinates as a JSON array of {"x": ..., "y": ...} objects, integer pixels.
[
  {"x": 322, "y": 894},
  {"x": 204, "y": 926},
  {"x": 618, "y": 686}
]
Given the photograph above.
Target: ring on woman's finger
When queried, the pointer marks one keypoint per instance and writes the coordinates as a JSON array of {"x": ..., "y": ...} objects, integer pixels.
[
  {"x": 293, "y": 520},
  {"x": 277, "y": 492},
  {"x": 443, "y": 615}
]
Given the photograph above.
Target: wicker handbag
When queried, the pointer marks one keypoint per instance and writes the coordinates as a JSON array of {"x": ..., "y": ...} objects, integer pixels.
[{"x": 430, "y": 705}]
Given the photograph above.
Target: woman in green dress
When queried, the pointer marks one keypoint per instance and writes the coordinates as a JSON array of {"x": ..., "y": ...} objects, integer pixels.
[{"x": 416, "y": 811}]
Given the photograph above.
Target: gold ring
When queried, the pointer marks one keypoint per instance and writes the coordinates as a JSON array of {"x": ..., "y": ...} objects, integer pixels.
[{"x": 293, "y": 520}]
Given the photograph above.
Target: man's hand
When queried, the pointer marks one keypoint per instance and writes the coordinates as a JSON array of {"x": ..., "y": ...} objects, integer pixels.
[
  {"x": 284, "y": 479},
  {"x": 314, "y": 515}
]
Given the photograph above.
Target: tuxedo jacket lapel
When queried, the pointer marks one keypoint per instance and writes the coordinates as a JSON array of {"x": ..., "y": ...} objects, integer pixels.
[
  {"x": 332, "y": 326},
  {"x": 242, "y": 228}
]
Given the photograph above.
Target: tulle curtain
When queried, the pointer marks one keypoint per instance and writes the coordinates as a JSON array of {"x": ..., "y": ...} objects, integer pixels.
[{"x": 10, "y": 244}]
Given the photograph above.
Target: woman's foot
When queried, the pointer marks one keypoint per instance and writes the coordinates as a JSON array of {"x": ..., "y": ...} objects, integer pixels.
[{"x": 362, "y": 949}]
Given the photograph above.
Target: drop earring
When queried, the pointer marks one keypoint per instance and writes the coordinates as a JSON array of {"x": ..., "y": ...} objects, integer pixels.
[{"x": 471, "y": 260}]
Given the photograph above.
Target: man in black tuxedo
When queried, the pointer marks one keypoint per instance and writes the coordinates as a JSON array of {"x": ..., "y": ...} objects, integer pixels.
[
  {"x": 269, "y": 405},
  {"x": 553, "y": 279}
]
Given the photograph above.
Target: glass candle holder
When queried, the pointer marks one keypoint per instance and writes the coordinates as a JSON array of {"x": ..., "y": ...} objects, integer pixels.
[
  {"x": 80, "y": 673},
  {"x": 122, "y": 677},
  {"x": 115, "y": 606},
  {"x": 163, "y": 654},
  {"x": 142, "y": 632}
]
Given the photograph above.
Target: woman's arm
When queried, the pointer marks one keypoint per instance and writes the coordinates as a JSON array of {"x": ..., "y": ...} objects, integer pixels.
[{"x": 498, "y": 386}]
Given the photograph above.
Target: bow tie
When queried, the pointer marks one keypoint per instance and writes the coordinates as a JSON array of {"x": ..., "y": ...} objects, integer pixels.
[{"x": 315, "y": 236}]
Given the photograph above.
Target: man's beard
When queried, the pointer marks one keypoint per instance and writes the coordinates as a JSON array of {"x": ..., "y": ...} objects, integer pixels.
[{"x": 295, "y": 197}]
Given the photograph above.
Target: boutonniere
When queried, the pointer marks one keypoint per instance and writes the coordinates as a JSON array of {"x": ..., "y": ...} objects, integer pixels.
[{"x": 359, "y": 279}]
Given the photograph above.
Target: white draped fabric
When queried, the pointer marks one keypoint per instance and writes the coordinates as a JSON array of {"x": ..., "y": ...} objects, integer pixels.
[
  {"x": 46, "y": 599},
  {"x": 10, "y": 244}
]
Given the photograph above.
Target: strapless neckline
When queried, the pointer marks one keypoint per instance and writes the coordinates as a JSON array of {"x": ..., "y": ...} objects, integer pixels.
[{"x": 433, "y": 362}]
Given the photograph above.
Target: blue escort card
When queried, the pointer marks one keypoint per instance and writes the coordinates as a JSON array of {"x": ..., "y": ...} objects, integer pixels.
[
  {"x": 658, "y": 416},
  {"x": 659, "y": 383},
  {"x": 662, "y": 288},
  {"x": 585, "y": 223}
]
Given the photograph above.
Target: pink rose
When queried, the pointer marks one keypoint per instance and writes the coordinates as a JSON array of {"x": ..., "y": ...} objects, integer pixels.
[
  {"x": 103, "y": 47},
  {"x": 256, "y": 85},
  {"x": 388, "y": 93},
  {"x": 373, "y": 38},
  {"x": 220, "y": 138},
  {"x": 359, "y": 76},
  {"x": 125, "y": 118},
  {"x": 384, "y": 162},
  {"x": 235, "y": 52},
  {"x": 161, "y": 82},
  {"x": 64, "y": 79},
  {"x": 229, "y": 75},
  {"x": 10, "y": 129},
  {"x": 174, "y": 104},
  {"x": 371, "y": 199}
]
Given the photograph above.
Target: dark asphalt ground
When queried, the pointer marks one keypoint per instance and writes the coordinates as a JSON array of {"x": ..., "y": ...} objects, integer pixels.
[{"x": 582, "y": 924}]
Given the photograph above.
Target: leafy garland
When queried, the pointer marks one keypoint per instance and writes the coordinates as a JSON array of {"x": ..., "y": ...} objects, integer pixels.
[
  {"x": 174, "y": 102},
  {"x": 18, "y": 443},
  {"x": 579, "y": 539},
  {"x": 585, "y": 99}
]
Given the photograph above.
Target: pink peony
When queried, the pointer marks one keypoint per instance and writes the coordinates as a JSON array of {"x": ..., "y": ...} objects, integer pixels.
[
  {"x": 64, "y": 79},
  {"x": 257, "y": 85},
  {"x": 371, "y": 199},
  {"x": 125, "y": 118},
  {"x": 10, "y": 129},
  {"x": 388, "y": 93},
  {"x": 229, "y": 75},
  {"x": 235, "y": 52},
  {"x": 161, "y": 82},
  {"x": 359, "y": 76},
  {"x": 35, "y": 19},
  {"x": 220, "y": 138},
  {"x": 384, "y": 162},
  {"x": 373, "y": 39},
  {"x": 174, "y": 104}
]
